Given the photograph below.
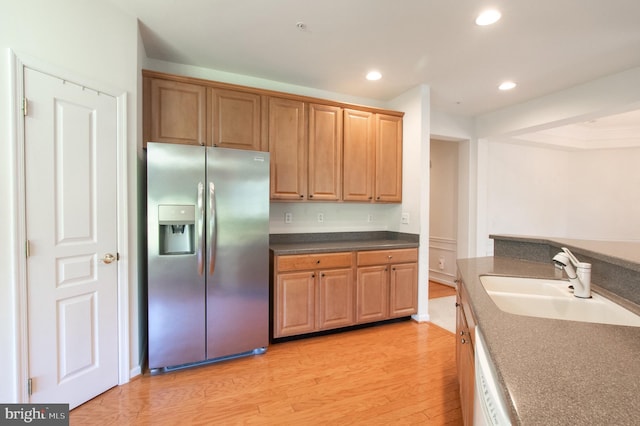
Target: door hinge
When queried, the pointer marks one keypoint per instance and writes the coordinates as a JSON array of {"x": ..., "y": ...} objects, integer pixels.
[
  {"x": 30, "y": 386},
  {"x": 117, "y": 256},
  {"x": 27, "y": 248},
  {"x": 25, "y": 107}
]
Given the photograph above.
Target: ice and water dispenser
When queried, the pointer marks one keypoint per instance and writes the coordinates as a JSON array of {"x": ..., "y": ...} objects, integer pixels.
[{"x": 177, "y": 229}]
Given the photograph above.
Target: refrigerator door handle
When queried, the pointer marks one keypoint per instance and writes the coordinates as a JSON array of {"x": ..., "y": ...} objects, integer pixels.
[
  {"x": 201, "y": 242},
  {"x": 212, "y": 228}
]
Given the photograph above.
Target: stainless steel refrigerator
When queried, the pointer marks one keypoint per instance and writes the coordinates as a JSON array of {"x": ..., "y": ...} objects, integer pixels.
[{"x": 208, "y": 253}]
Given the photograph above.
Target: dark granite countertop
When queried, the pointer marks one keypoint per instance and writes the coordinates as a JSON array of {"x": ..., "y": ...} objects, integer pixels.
[
  {"x": 555, "y": 372},
  {"x": 283, "y": 244}
]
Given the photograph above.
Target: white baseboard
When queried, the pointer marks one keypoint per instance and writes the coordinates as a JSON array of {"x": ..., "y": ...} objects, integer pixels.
[
  {"x": 135, "y": 371},
  {"x": 420, "y": 318}
]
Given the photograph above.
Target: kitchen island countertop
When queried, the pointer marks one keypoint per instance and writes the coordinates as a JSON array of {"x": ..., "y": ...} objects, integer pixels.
[{"x": 555, "y": 372}]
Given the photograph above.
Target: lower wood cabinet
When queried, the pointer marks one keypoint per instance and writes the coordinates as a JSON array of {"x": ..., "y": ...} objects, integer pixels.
[
  {"x": 315, "y": 292},
  {"x": 387, "y": 284},
  {"x": 312, "y": 293},
  {"x": 465, "y": 355}
]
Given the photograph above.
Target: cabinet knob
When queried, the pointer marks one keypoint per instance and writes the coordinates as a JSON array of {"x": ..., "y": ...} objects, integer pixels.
[
  {"x": 463, "y": 341},
  {"x": 462, "y": 333},
  {"x": 389, "y": 257},
  {"x": 317, "y": 262},
  {"x": 371, "y": 198},
  {"x": 313, "y": 275},
  {"x": 322, "y": 275},
  {"x": 301, "y": 195},
  {"x": 311, "y": 196}
]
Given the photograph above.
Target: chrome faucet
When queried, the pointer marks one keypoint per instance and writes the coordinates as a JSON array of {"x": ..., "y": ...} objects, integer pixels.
[{"x": 580, "y": 277}]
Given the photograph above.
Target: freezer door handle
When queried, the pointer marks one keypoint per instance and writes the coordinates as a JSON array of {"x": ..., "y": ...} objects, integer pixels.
[
  {"x": 200, "y": 223},
  {"x": 212, "y": 228}
]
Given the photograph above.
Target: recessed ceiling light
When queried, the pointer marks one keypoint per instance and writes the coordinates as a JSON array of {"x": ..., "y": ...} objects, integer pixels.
[
  {"x": 374, "y": 75},
  {"x": 488, "y": 17},
  {"x": 507, "y": 85}
]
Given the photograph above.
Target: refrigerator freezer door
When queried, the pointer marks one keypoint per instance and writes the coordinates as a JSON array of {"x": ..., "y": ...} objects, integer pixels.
[
  {"x": 238, "y": 244},
  {"x": 176, "y": 289}
]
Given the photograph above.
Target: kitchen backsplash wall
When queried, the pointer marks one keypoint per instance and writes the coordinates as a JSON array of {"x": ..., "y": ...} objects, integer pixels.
[{"x": 335, "y": 217}]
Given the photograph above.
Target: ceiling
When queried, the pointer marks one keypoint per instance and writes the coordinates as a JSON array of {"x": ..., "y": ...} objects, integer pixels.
[{"x": 543, "y": 45}]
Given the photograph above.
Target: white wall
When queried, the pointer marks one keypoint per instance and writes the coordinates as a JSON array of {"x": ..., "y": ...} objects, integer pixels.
[
  {"x": 443, "y": 212},
  {"x": 605, "y": 196},
  {"x": 543, "y": 191},
  {"x": 529, "y": 190},
  {"x": 97, "y": 44},
  {"x": 461, "y": 130}
]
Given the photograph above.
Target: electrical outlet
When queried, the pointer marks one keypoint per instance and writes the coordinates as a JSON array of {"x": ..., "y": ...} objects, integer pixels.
[
  {"x": 441, "y": 263},
  {"x": 405, "y": 218},
  {"x": 369, "y": 218},
  {"x": 288, "y": 217},
  {"x": 320, "y": 217}
]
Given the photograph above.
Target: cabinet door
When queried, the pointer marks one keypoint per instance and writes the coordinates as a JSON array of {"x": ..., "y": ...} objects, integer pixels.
[
  {"x": 465, "y": 362},
  {"x": 294, "y": 303},
  {"x": 372, "y": 295},
  {"x": 403, "y": 291},
  {"x": 335, "y": 299},
  {"x": 358, "y": 155},
  {"x": 325, "y": 153},
  {"x": 177, "y": 112},
  {"x": 287, "y": 145},
  {"x": 388, "y": 175},
  {"x": 234, "y": 119}
]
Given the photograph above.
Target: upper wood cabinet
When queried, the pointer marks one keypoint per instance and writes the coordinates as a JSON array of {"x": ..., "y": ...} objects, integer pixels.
[
  {"x": 196, "y": 114},
  {"x": 372, "y": 157},
  {"x": 175, "y": 112},
  {"x": 320, "y": 150},
  {"x": 305, "y": 142},
  {"x": 359, "y": 166},
  {"x": 234, "y": 119},
  {"x": 388, "y": 175},
  {"x": 324, "y": 178},
  {"x": 288, "y": 149}
]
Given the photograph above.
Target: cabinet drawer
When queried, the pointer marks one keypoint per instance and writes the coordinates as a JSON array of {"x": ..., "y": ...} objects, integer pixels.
[
  {"x": 300, "y": 262},
  {"x": 381, "y": 257}
]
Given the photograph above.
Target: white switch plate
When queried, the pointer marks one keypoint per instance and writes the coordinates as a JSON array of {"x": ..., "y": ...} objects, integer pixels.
[
  {"x": 288, "y": 217},
  {"x": 320, "y": 217},
  {"x": 405, "y": 218}
]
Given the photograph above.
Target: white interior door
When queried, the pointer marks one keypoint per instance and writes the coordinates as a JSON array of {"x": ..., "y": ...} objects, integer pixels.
[{"x": 71, "y": 218}]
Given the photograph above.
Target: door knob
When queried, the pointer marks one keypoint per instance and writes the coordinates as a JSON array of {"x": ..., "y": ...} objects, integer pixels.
[{"x": 108, "y": 258}]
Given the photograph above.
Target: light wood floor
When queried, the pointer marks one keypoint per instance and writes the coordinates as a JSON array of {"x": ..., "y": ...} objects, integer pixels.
[
  {"x": 440, "y": 290},
  {"x": 394, "y": 374}
]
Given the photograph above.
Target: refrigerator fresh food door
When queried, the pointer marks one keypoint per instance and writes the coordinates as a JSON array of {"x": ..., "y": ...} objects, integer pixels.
[
  {"x": 176, "y": 276},
  {"x": 237, "y": 251}
]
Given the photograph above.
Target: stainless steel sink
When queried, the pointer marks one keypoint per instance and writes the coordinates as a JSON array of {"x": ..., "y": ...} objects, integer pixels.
[{"x": 546, "y": 298}]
